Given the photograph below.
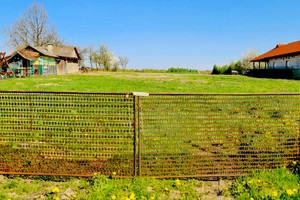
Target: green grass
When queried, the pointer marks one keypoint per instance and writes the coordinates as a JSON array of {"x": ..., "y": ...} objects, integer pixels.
[
  {"x": 152, "y": 82},
  {"x": 103, "y": 188},
  {"x": 277, "y": 184},
  {"x": 265, "y": 185}
]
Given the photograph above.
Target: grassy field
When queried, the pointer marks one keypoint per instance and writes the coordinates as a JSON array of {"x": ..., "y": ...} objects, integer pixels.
[
  {"x": 152, "y": 82},
  {"x": 286, "y": 184}
]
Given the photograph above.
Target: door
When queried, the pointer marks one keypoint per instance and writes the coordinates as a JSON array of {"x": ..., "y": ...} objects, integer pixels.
[{"x": 40, "y": 70}]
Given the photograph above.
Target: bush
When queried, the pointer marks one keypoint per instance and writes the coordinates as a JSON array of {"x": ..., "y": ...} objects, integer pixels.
[
  {"x": 221, "y": 70},
  {"x": 227, "y": 69}
]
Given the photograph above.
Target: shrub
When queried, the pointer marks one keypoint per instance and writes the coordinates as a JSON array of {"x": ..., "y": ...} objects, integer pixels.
[{"x": 226, "y": 69}]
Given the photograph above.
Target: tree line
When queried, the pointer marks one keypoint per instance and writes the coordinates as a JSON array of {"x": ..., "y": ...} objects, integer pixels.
[
  {"x": 102, "y": 58},
  {"x": 241, "y": 66}
]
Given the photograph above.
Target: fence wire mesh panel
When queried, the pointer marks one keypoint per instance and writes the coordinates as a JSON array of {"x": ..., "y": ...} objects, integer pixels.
[
  {"x": 216, "y": 135},
  {"x": 75, "y": 134}
]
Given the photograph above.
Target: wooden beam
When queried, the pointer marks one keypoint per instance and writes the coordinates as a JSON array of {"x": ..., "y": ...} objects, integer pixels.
[{"x": 3, "y": 55}]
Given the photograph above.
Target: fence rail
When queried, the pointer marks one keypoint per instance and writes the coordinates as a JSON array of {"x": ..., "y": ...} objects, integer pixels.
[{"x": 160, "y": 135}]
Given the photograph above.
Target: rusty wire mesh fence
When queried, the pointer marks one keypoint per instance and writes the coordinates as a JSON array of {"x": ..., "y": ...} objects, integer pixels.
[
  {"x": 161, "y": 135},
  {"x": 216, "y": 135},
  {"x": 59, "y": 133}
]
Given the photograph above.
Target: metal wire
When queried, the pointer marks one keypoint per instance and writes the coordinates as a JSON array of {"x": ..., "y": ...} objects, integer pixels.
[
  {"x": 204, "y": 135},
  {"x": 177, "y": 135},
  {"x": 65, "y": 133}
]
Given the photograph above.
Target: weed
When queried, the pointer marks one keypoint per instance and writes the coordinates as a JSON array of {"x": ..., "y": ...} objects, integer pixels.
[{"x": 276, "y": 184}]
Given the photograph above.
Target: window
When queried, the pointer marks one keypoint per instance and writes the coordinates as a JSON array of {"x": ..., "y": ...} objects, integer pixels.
[
  {"x": 287, "y": 64},
  {"x": 274, "y": 65}
]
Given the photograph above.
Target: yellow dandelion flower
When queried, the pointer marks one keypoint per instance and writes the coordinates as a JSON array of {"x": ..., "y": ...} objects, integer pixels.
[
  {"x": 152, "y": 198},
  {"x": 237, "y": 140},
  {"x": 132, "y": 196},
  {"x": 55, "y": 190},
  {"x": 226, "y": 188},
  {"x": 177, "y": 182},
  {"x": 57, "y": 198},
  {"x": 86, "y": 134},
  {"x": 295, "y": 190},
  {"x": 274, "y": 193},
  {"x": 114, "y": 173},
  {"x": 95, "y": 174},
  {"x": 74, "y": 195},
  {"x": 143, "y": 197},
  {"x": 166, "y": 189},
  {"x": 113, "y": 197},
  {"x": 249, "y": 182},
  {"x": 294, "y": 162},
  {"x": 258, "y": 181},
  {"x": 251, "y": 198},
  {"x": 289, "y": 192}
]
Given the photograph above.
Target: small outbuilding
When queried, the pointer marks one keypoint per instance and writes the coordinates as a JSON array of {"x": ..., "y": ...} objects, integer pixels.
[{"x": 44, "y": 60}]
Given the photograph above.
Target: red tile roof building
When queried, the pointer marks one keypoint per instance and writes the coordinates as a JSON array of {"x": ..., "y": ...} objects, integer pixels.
[
  {"x": 281, "y": 62},
  {"x": 279, "y": 51}
]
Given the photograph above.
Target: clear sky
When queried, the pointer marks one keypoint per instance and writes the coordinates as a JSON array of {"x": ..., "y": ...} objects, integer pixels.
[{"x": 169, "y": 33}]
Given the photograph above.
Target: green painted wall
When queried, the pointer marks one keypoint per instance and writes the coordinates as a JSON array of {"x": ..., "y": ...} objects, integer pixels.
[{"x": 296, "y": 74}]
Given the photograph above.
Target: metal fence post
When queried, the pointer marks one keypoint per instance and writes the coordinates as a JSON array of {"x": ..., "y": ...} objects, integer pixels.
[
  {"x": 140, "y": 139},
  {"x": 137, "y": 134},
  {"x": 135, "y": 129}
]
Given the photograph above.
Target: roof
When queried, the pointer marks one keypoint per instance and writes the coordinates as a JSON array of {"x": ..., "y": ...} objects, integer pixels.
[
  {"x": 280, "y": 50},
  {"x": 45, "y": 51},
  {"x": 29, "y": 55},
  {"x": 66, "y": 52}
]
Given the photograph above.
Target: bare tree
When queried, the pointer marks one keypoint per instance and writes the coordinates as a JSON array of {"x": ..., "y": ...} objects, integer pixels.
[
  {"x": 246, "y": 58},
  {"x": 90, "y": 51},
  {"x": 32, "y": 28},
  {"x": 105, "y": 57},
  {"x": 115, "y": 64},
  {"x": 123, "y": 61},
  {"x": 83, "y": 54}
]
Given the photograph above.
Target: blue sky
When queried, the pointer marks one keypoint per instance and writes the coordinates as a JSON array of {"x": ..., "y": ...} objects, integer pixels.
[{"x": 169, "y": 33}]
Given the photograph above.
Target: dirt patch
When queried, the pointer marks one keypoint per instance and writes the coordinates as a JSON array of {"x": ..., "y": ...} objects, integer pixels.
[
  {"x": 217, "y": 190},
  {"x": 193, "y": 81},
  {"x": 139, "y": 75},
  {"x": 47, "y": 84}
]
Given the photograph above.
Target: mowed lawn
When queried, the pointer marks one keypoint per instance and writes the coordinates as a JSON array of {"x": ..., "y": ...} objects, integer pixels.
[{"x": 152, "y": 83}]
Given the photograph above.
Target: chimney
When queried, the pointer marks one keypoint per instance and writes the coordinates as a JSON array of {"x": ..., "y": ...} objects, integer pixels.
[{"x": 50, "y": 47}]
